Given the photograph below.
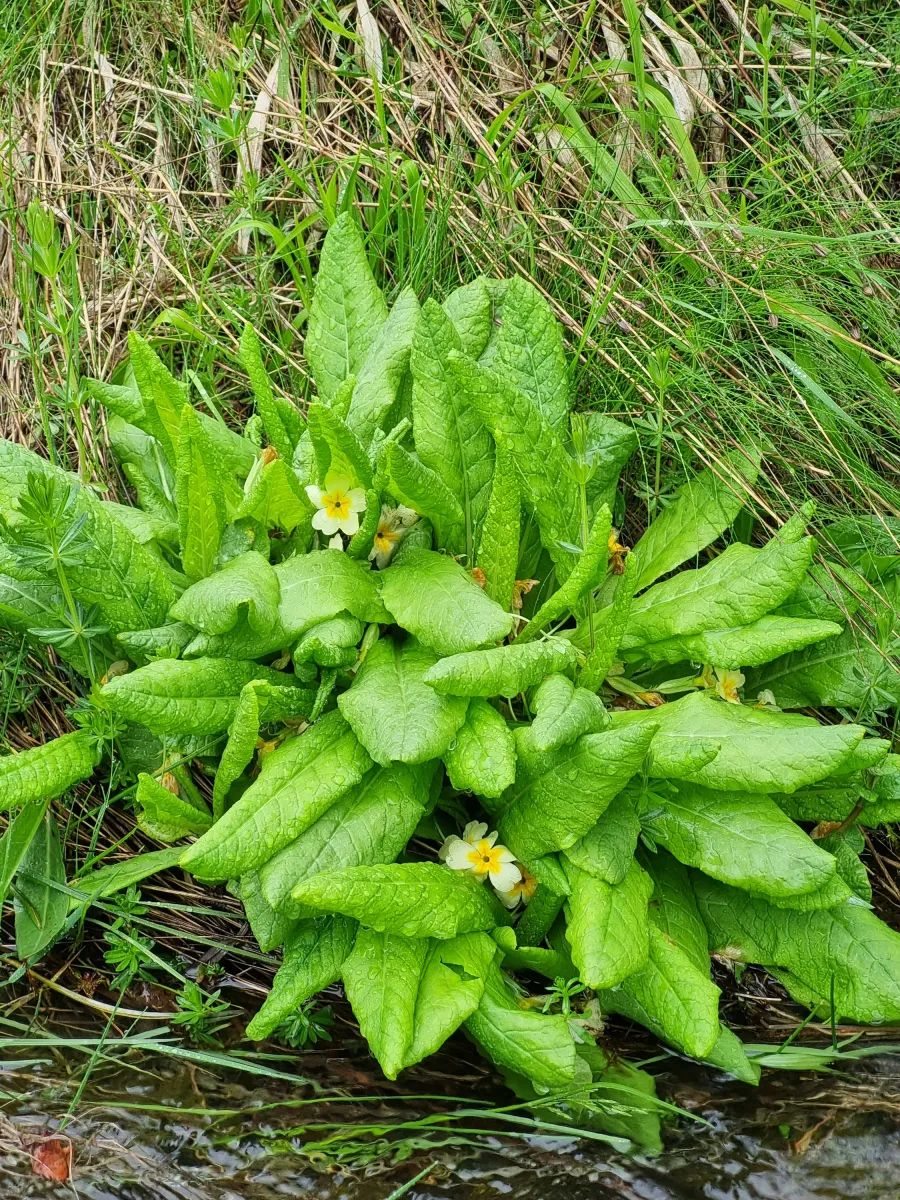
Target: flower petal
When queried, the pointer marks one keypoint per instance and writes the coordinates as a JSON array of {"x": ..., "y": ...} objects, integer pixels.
[
  {"x": 357, "y": 500},
  {"x": 336, "y": 543},
  {"x": 315, "y": 494},
  {"x": 511, "y": 898},
  {"x": 503, "y": 854},
  {"x": 457, "y": 855},
  {"x": 325, "y": 524},
  {"x": 350, "y": 524},
  {"x": 506, "y": 876},
  {"x": 474, "y": 832}
]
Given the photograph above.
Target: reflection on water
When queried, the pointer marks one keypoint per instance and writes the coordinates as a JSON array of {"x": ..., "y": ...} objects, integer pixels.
[{"x": 797, "y": 1137}]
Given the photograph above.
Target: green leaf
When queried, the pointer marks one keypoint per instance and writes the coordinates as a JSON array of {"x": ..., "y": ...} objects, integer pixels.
[
  {"x": 410, "y": 995},
  {"x": 746, "y": 646},
  {"x": 314, "y": 954},
  {"x": 850, "y": 671},
  {"x": 828, "y": 592},
  {"x": 702, "y": 510},
  {"x": 145, "y": 467},
  {"x": 16, "y": 839},
  {"x": 337, "y": 448},
  {"x": 200, "y": 498},
  {"x": 470, "y": 309},
  {"x": 162, "y": 396},
  {"x": 847, "y": 845},
  {"x": 449, "y": 435},
  {"x": 124, "y": 401},
  {"x": 542, "y": 463},
  {"x": 498, "y": 547},
  {"x": 607, "y": 925},
  {"x": 758, "y": 751},
  {"x": 348, "y": 309},
  {"x": 166, "y": 816},
  {"x": 370, "y": 824},
  {"x": 41, "y": 903},
  {"x": 502, "y": 670},
  {"x": 331, "y": 643},
  {"x": 845, "y": 951},
  {"x": 527, "y": 349},
  {"x": 608, "y": 628},
  {"x": 149, "y": 530},
  {"x": 562, "y": 713},
  {"x": 674, "y": 908},
  {"x": 394, "y": 714},
  {"x": 298, "y": 782},
  {"x": 608, "y": 446},
  {"x": 436, "y": 601},
  {"x": 312, "y": 588},
  {"x": 270, "y": 928},
  {"x": 128, "y": 583},
  {"x": 119, "y": 876},
  {"x": 530, "y": 1043},
  {"x": 538, "y": 917},
  {"x": 737, "y": 588},
  {"x": 259, "y": 701},
  {"x": 587, "y": 572},
  {"x": 740, "y": 838},
  {"x": 414, "y": 900},
  {"x": 671, "y": 997},
  {"x": 246, "y": 589},
  {"x": 273, "y": 497},
  {"x": 728, "y": 1054},
  {"x": 419, "y": 488},
  {"x": 559, "y": 796},
  {"x": 174, "y": 697},
  {"x": 607, "y": 849},
  {"x": 482, "y": 757},
  {"x": 381, "y": 375},
  {"x": 250, "y": 354},
  {"x": 47, "y": 771}
]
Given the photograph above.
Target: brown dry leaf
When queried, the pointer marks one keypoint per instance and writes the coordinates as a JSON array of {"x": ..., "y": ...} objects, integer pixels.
[
  {"x": 651, "y": 699},
  {"x": 51, "y": 1158},
  {"x": 521, "y": 588}
]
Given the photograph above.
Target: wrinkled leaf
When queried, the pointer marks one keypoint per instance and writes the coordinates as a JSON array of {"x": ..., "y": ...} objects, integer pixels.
[
  {"x": 174, "y": 697},
  {"x": 395, "y": 715},
  {"x": 47, "y": 771},
  {"x": 313, "y": 957},
  {"x": 415, "y": 900},
  {"x": 434, "y": 599},
  {"x": 298, "y": 782},
  {"x": 559, "y": 796},
  {"x": 501, "y": 670},
  {"x": 347, "y": 312},
  {"x": 481, "y": 758}
]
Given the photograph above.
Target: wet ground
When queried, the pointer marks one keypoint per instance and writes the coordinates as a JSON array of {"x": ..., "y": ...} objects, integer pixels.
[{"x": 160, "y": 1129}]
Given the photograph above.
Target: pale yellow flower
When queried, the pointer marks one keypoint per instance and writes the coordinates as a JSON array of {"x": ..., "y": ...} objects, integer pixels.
[
  {"x": 338, "y": 505},
  {"x": 476, "y": 851},
  {"x": 522, "y": 891},
  {"x": 392, "y": 526}
]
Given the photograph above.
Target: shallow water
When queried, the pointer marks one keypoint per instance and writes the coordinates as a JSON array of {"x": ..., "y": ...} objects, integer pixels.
[{"x": 796, "y": 1137}]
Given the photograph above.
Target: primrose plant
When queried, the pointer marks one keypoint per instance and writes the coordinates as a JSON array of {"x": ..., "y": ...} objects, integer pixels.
[{"x": 459, "y": 736}]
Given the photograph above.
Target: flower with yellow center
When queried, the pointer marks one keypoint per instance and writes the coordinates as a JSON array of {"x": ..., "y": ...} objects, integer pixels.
[
  {"x": 338, "y": 506},
  {"x": 727, "y": 684},
  {"x": 522, "y": 891},
  {"x": 476, "y": 851},
  {"x": 392, "y": 526}
]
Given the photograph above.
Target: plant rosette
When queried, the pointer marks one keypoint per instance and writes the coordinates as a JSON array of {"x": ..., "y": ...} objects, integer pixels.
[{"x": 462, "y": 736}]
